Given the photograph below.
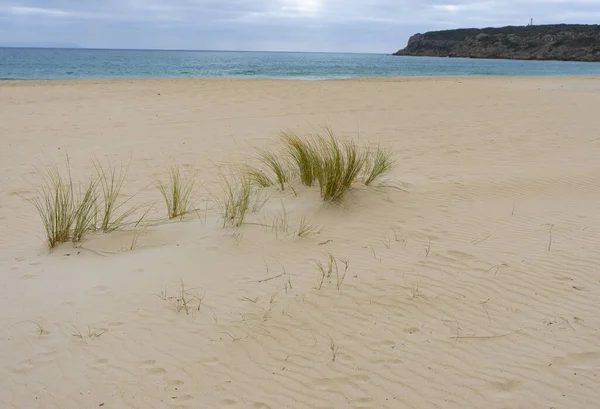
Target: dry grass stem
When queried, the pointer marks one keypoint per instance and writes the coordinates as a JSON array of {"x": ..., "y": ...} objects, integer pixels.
[{"x": 327, "y": 271}]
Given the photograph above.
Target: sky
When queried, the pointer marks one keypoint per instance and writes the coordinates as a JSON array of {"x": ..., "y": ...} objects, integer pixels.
[{"x": 378, "y": 26}]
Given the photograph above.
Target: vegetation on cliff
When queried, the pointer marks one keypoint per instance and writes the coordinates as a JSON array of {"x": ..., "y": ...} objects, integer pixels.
[{"x": 546, "y": 42}]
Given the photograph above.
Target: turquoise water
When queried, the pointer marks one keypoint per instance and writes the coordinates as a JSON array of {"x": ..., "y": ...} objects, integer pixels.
[{"x": 22, "y": 63}]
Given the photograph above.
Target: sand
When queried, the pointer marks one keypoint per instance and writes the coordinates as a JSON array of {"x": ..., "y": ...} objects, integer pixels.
[{"x": 473, "y": 274}]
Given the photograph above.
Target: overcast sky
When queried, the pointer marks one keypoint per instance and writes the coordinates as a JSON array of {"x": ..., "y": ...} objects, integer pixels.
[{"x": 295, "y": 25}]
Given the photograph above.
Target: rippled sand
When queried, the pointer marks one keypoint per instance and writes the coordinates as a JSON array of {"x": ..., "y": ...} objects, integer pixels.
[{"x": 472, "y": 281}]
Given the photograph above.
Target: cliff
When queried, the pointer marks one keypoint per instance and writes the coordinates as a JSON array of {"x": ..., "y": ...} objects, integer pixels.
[{"x": 548, "y": 42}]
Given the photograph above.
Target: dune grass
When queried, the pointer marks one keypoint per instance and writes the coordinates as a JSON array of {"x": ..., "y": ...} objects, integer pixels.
[
  {"x": 332, "y": 267},
  {"x": 236, "y": 199},
  {"x": 276, "y": 165},
  {"x": 340, "y": 162},
  {"x": 259, "y": 177},
  {"x": 86, "y": 211},
  {"x": 55, "y": 204},
  {"x": 379, "y": 163},
  {"x": 66, "y": 215},
  {"x": 303, "y": 154},
  {"x": 305, "y": 228},
  {"x": 111, "y": 179},
  {"x": 239, "y": 196},
  {"x": 141, "y": 223},
  {"x": 280, "y": 223},
  {"x": 178, "y": 192},
  {"x": 334, "y": 162}
]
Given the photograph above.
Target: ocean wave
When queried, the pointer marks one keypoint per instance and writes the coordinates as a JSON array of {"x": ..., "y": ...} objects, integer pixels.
[{"x": 244, "y": 72}]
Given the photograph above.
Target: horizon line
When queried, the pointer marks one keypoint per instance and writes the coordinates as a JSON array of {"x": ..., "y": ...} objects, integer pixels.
[{"x": 185, "y": 50}]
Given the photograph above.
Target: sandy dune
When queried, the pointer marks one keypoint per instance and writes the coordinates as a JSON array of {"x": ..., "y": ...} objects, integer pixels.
[{"x": 472, "y": 282}]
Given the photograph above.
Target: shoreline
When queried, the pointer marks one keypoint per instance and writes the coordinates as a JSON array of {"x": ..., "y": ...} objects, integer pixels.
[{"x": 408, "y": 78}]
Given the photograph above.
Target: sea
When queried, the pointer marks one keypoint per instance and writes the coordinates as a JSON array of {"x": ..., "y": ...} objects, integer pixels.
[{"x": 55, "y": 64}]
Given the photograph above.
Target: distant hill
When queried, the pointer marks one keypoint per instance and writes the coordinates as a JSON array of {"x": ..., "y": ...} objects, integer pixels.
[
  {"x": 546, "y": 42},
  {"x": 38, "y": 45}
]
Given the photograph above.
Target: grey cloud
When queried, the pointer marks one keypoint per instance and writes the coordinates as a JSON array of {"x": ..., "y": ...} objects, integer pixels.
[{"x": 318, "y": 25}]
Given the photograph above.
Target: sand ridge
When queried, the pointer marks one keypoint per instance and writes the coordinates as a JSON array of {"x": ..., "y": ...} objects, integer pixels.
[{"x": 471, "y": 282}]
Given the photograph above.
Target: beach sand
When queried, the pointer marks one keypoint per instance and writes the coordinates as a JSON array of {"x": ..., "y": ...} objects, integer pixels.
[{"x": 473, "y": 274}]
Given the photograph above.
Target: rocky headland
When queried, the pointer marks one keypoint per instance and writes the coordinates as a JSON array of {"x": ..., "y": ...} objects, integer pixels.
[{"x": 544, "y": 42}]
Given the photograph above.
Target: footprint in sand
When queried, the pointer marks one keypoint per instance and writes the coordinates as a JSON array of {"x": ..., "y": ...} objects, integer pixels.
[
  {"x": 183, "y": 398},
  {"x": 151, "y": 367},
  {"x": 459, "y": 255},
  {"x": 412, "y": 330},
  {"x": 507, "y": 386},
  {"x": 23, "y": 367},
  {"x": 590, "y": 358},
  {"x": 260, "y": 405}
]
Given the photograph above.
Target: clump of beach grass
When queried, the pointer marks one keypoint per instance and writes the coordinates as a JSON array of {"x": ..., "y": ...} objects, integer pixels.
[
  {"x": 55, "y": 204},
  {"x": 334, "y": 162},
  {"x": 340, "y": 162},
  {"x": 111, "y": 179},
  {"x": 178, "y": 192},
  {"x": 276, "y": 165},
  {"x": 68, "y": 212},
  {"x": 239, "y": 196},
  {"x": 331, "y": 268},
  {"x": 379, "y": 163},
  {"x": 305, "y": 228},
  {"x": 85, "y": 211},
  {"x": 303, "y": 153},
  {"x": 236, "y": 199},
  {"x": 67, "y": 215}
]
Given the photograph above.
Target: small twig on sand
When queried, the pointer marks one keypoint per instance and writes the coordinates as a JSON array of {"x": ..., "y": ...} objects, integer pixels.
[
  {"x": 486, "y": 311},
  {"x": 457, "y": 329},
  {"x": 497, "y": 267},
  {"x": 375, "y": 254},
  {"x": 484, "y": 336},
  {"x": 482, "y": 240},
  {"x": 568, "y": 323},
  {"x": 270, "y": 278}
]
